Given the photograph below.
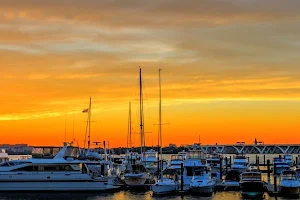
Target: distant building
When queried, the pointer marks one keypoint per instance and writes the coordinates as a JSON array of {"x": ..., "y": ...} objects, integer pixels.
[{"x": 172, "y": 146}]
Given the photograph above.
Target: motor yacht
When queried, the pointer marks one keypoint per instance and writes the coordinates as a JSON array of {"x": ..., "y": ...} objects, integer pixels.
[
  {"x": 195, "y": 159},
  {"x": 289, "y": 160},
  {"x": 54, "y": 174},
  {"x": 169, "y": 183},
  {"x": 279, "y": 165},
  {"x": 289, "y": 183},
  {"x": 240, "y": 163},
  {"x": 216, "y": 163},
  {"x": 232, "y": 180},
  {"x": 175, "y": 162},
  {"x": 251, "y": 184},
  {"x": 137, "y": 176},
  {"x": 202, "y": 183}
]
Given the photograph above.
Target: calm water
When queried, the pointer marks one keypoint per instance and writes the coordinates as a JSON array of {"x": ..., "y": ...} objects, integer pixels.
[
  {"x": 121, "y": 195},
  {"x": 129, "y": 195}
]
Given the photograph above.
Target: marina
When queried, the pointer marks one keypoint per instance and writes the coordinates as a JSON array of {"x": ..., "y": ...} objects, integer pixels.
[{"x": 268, "y": 186}]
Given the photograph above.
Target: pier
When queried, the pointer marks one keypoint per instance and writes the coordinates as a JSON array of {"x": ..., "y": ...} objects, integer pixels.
[{"x": 249, "y": 148}]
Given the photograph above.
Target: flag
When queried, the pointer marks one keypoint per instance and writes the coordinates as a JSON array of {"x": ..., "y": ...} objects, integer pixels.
[{"x": 85, "y": 110}]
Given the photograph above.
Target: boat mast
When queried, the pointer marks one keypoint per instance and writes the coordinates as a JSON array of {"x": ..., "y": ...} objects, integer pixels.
[
  {"x": 129, "y": 140},
  {"x": 141, "y": 114},
  {"x": 89, "y": 121},
  {"x": 160, "y": 130}
]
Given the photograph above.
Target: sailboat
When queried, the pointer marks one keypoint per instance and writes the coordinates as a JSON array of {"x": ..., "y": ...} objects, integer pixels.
[
  {"x": 138, "y": 175},
  {"x": 163, "y": 185}
]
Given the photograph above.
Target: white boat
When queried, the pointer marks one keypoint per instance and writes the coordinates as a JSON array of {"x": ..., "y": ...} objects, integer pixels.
[
  {"x": 57, "y": 174},
  {"x": 195, "y": 159},
  {"x": 163, "y": 185},
  {"x": 240, "y": 163},
  {"x": 137, "y": 176},
  {"x": 150, "y": 160},
  {"x": 279, "y": 165},
  {"x": 3, "y": 156},
  {"x": 202, "y": 183},
  {"x": 167, "y": 184},
  {"x": 232, "y": 180},
  {"x": 176, "y": 161},
  {"x": 289, "y": 160},
  {"x": 289, "y": 183},
  {"x": 251, "y": 184},
  {"x": 216, "y": 163}
]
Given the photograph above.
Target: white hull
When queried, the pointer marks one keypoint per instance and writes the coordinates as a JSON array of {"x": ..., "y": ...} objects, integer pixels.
[
  {"x": 202, "y": 189},
  {"x": 56, "y": 186},
  {"x": 136, "y": 180},
  {"x": 163, "y": 189}
]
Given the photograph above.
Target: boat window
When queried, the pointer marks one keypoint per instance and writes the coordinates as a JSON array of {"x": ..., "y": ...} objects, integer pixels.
[
  {"x": 190, "y": 171},
  {"x": 195, "y": 155},
  {"x": 251, "y": 176},
  {"x": 4, "y": 165},
  {"x": 26, "y": 168},
  {"x": 288, "y": 177}
]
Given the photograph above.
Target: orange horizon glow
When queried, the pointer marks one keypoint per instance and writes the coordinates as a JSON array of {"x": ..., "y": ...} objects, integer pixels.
[{"x": 230, "y": 71}]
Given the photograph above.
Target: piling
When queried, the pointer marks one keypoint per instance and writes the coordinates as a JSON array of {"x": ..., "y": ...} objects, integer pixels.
[
  {"x": 158, "y": 168},
  {"x": 275, "y": 183},
  {"x": 226, "y": 161},
  {"x": 256, "y": 160},
  {"x": 181, "y": 182},
  {"x": 230, "y": 162},
  {"x": 268, "y": 168},
  {"x": 275, "y": 169},
  {"x": 280, "y": 156},
  {"x": 264, "y": 160},
  {"x": 297, "y": 161},
  {"x": 221, "y": 169}
]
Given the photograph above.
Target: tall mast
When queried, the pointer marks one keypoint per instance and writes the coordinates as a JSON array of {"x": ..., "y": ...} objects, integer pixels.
[
  {"x": 160, "y": 130},
  {"x": 89, "y": 121},
  {"x": 141, "y": 114},
  {"x": 129, "y": 140}
]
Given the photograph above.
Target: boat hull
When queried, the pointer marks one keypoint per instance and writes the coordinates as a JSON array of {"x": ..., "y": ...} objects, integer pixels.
[
  {"x": 163, "y": 189},
  {"x": 56, "y": 186},
  {"x": 202, "y": 190},
  {"x": 252, "y": 188},
  {"x": 289, "y": 191}
]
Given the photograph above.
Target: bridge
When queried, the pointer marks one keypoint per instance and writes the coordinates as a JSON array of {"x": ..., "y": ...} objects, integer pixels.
[{"x": 249, "y": 148}]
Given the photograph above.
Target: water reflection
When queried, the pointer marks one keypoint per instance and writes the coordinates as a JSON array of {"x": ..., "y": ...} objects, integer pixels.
[{"x": 121, "y": 195}]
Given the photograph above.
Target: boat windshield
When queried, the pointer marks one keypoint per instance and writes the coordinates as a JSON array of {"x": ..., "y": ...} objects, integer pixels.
[
  {"x": 177, "y": 157},
  {"x": 288, "y": 177},
  {"x": 251, "y": 176},
  {"x": 195, "y": 155}
]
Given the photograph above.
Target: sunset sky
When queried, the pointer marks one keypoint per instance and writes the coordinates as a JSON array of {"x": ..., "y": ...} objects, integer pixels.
[{"x": 230, "y": 70}]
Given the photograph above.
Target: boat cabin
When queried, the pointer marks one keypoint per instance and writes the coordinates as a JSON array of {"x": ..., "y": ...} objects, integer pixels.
[{"x": 288, "y": 175}]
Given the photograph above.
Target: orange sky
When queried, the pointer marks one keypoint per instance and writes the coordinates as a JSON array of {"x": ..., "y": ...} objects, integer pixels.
[{"x": 230, "y": 70}]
